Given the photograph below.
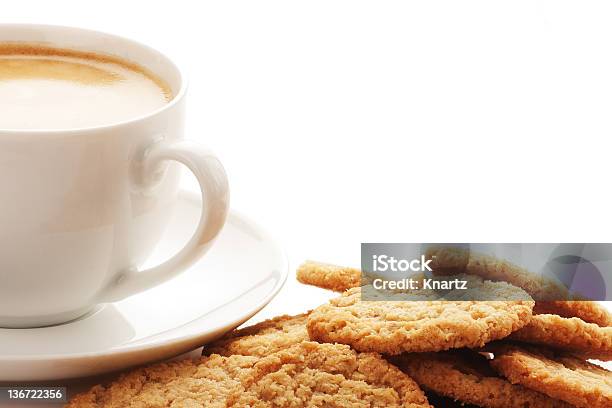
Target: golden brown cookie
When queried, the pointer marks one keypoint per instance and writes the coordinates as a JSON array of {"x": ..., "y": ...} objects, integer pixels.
[
  {"x": 263, "y": 338},
  {"x": 559, "y": 376},
  {"x": 305, "y": 375},
  {"x": 590, "y": 312},
  {"x": 466, "y": 377},
  {"x": 573, "y": 335},
  {"x": 394, "y": 327},
  {"x": 449, "y": 260},
  {"x": 327, "y": 276}
]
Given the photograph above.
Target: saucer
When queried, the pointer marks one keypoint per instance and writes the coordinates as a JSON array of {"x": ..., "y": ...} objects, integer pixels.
[{"x": 242, "y": 272}]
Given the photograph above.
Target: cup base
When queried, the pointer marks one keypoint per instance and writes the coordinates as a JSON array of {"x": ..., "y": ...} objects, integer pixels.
[{"x": 32, "y": 322}]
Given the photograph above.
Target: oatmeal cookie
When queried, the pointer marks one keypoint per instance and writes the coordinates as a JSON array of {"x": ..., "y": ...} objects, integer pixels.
[
  {"x": 327, "y": 276},
  {"x": 305, "y": 375},
  {"x": 572, "y": 335},
  {"x": 466, "y": 377},
  {"x": 394, "y": 327},
  {"x": 590, "y": 312},
  {"x": 263, "y": 338},
  {"x": 449, "y": 260},
  {"x": 560, "y": 376}
]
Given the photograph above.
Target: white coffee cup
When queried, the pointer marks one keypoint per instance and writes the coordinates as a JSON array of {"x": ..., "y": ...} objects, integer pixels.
[{"x": 82, "y": 209}]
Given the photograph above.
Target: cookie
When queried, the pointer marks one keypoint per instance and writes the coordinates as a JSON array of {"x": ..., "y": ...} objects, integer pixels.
[
  {"x": 571, "y": 334},
  {"x": 449, "y": 260},
  {"x": 559, "y": 376},
  {"x": 327, "y": 276},
  {"x": 305, "y": 375},
  {"x": 394, "y": 327},
  {"x": 590, "y": 312},
  {"x": 466, "y": 377},
  {"x": 263, "y": 338}
]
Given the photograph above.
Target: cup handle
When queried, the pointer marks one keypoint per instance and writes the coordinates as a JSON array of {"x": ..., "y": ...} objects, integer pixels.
[{"x": 215, "y": 204}]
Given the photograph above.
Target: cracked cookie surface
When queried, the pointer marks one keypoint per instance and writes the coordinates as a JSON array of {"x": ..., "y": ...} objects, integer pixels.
[
  {"x": 393, "y": 327},
  {"x": 305, "y": 375}
]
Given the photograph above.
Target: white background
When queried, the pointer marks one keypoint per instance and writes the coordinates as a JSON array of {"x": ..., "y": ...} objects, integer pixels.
[
  {"x": 343, "y": 122},
  {"x": 346, "y": 121}
]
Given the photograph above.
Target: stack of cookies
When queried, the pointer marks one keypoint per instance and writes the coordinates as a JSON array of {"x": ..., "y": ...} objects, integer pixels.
[{"x": 355, "y": 353}]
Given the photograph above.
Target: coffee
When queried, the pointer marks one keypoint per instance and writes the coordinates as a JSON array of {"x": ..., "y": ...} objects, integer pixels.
[{"x": 49, "y": 88}]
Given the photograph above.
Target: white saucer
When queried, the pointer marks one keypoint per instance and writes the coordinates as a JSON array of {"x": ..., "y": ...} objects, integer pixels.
[{"x": 243, "y": 271}]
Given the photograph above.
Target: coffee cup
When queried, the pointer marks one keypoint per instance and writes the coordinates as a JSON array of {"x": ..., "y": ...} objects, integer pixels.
[{"x": 91, "y": 143}]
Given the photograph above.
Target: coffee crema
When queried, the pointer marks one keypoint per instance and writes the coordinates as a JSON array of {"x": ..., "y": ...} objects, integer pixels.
[{"x": 52, "y": 88}]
